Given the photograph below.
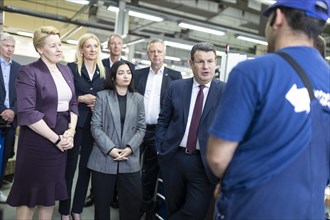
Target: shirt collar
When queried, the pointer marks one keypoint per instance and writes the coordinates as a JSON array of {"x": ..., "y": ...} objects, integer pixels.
[
  {"x": 160, "y": 71},
  {"x": 111, "y": 61},
  {"x": 196, "y": 84},
  {"x": 3, "y": 61}
]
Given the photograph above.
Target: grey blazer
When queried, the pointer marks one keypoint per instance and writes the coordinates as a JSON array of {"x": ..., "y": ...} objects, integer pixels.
[{"x": 106, "y": 130}]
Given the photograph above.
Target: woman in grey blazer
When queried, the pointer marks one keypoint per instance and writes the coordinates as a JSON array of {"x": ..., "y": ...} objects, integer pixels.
[{"x": 118, "y": 127}]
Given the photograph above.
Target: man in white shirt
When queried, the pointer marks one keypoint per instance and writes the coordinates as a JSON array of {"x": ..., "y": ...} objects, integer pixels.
[{"x": 152, "y": 82}]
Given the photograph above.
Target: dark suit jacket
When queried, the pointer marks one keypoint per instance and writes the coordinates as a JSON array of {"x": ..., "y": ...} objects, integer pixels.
[
  {"x": 106, "y": 64},
  {"x": 141, "y": 75},
  {"x": 12, "y": 91},
  {"x": 173, "y": 117},
  {"x": 83, "y": 85},
  {"x": 36, "y": 91}
]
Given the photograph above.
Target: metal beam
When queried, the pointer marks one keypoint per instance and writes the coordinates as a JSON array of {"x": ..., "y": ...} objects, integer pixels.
[{"x": 54, "y": 17}]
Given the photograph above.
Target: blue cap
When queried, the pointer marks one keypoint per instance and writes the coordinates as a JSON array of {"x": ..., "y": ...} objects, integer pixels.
[{"x": 319, "y": 9}]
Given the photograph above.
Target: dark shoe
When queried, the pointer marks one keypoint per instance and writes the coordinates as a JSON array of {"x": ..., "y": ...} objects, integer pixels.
[
  {"x": 89, "y": 201},
  {"x": 115, "y": 204}
]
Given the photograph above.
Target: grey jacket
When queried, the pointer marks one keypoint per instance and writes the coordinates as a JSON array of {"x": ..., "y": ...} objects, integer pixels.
[{"x": 106, "y": 130}]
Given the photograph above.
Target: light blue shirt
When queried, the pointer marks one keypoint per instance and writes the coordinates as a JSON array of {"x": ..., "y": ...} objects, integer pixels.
[{"x": 5, "y": 67}]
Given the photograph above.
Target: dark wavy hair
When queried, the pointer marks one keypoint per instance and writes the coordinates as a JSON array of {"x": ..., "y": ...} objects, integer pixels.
[
  {"x": 110, "y": 81},
  {"x": 299, "y": 21}
]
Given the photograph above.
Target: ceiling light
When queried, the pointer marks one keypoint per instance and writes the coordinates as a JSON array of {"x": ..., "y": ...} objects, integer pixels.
[
  {"x": 327, "y": 58},
  {"x": 220, "y": 53},
  {"x": 134, "y": 42},
  {"x": 268, "y": 2},
  {"x": 73, "y": 42},
  {"x": 201, "y": 29},
  {"x": 113, "y": 9},
  {"x": 252, "y": 40},
  {"x": 25, "y": 34},
  {"x": 178, "y": 45},
  {"x": 173, "y": 58},
  {"x": 145, "y": 16},
  {"x": 81, "y": 2}
]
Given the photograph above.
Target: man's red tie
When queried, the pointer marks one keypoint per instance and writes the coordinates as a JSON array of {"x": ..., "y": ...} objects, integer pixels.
[{"x": 193, "y": 130}]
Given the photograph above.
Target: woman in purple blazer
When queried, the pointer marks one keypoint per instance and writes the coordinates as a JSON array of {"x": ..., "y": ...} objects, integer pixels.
[{"x": 47, "y": 113}]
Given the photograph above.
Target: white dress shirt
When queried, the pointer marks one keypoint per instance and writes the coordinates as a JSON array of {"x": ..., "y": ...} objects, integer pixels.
[
  {"x": 195, "y": 90},
  {"x": 5, "y": 67},
  {"x": 152, "y": 95}
]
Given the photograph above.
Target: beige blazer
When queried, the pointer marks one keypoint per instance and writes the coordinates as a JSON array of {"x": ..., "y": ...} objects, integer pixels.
[{"x": 106, "y": 130}]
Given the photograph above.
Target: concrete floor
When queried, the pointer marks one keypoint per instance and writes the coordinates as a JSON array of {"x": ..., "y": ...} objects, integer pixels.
[{"x": 9, "y": 213}]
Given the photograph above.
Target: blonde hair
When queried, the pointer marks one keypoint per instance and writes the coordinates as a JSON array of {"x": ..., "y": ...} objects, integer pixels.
[
  {"x": 80, "y": 57},
  {"x": 41, "y": 34}
]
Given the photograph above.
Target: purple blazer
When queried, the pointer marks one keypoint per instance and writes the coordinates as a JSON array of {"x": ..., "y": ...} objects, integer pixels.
[{"x": 37, "y": 93}]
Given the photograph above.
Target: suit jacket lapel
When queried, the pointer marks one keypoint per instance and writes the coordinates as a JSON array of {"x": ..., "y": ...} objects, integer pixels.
[
  {"x": 144, "y": 79},
  {"x": 106, "y": 63},
  {"x": 44, "y": 70},
  {"x": 187, "y": 98},
  {"x": 164, "y": 85},
  {"x": 113, "y": 105},
  {"x": 12, "y": 75},
  {"x": 2, "y": 83},
  {"x": 84, "y": 71},
  {"x": 209, "y": 100},
  {"x": 12, "y": 78},
  {"x": 96, "y": 73},
  {"x": 129, "y": 108}
]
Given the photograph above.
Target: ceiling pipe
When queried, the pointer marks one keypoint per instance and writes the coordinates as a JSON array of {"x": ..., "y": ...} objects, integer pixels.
[
  {"x": 55, "y": 18},
  {"x": 175, "y": 18}
]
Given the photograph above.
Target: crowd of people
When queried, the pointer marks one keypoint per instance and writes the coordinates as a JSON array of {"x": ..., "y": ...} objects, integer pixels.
[{"x": 256, "y": 147}]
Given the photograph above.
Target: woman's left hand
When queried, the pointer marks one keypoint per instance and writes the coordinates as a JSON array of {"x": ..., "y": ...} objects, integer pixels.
[
  {"x": 67, "y": 143},
  {"x": 69, "y": 133},
  {"x": 124, "y": 153}
]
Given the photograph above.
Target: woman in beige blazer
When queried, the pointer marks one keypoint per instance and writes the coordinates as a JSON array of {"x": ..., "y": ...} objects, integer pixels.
[{"x": 118, "y": 127}]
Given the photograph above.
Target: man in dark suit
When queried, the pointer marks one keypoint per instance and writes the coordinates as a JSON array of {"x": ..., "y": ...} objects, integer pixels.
[
  {"x": 115, "y": 46},
  {"x": 8, "y": 73},
  {"x": 152, "y": 82},
  {"x": 181, "y": 137}
]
